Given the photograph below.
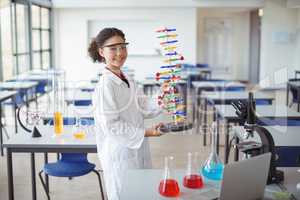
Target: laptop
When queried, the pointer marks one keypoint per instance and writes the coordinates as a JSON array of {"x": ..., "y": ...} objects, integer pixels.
[{"x": 245, "y": 179}]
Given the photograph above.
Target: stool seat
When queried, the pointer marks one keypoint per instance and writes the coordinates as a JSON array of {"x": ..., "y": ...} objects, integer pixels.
[{"x": 68, "y": 169}]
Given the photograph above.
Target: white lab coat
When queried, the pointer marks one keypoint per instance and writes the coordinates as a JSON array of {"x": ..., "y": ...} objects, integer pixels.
[{"x": 119, "y": 114}]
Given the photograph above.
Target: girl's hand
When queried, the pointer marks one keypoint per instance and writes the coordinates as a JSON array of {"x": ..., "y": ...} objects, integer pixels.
[
  {"x": 164, "y": 86},
  {"x": 158, "y": 126},
  {"x": 152, "y": 133}
]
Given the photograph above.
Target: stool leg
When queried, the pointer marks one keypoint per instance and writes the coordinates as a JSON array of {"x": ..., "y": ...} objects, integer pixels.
[
  {"x": 100, "y": 183},
  {"x": 44, "y": 185}
]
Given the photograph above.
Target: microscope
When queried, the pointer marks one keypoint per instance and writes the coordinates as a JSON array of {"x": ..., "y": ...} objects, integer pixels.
[{"x": 246, "y": 112}]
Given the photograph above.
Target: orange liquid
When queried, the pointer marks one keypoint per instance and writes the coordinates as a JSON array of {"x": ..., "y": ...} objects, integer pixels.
[
  {"x": 58, "y": 123},
  {"x": 79, "y": 135},
  {"x": 169, "y": 188},
  {"x": 193, "y": 181}
]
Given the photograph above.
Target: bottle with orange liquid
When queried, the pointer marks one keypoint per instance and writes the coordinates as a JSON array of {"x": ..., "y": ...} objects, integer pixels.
[
  {"x": 58, "y": 85},
  {"x": 192, "y": 178},
  {"x": 58, "y": 123},
  {"x": 169, "y": 187}
]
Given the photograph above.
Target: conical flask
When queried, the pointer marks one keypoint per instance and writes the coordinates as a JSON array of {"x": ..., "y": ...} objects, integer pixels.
[
  {"x": 192, "y": 177},
  {"x": 213, "y": 166},
  {"x": 168, "y": 187}
]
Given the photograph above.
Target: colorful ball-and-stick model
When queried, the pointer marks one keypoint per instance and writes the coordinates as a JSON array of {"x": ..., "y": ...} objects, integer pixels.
[{"x": 170, "y": 99}]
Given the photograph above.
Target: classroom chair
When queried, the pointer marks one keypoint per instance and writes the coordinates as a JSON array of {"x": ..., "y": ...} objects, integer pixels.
[
  {"x": 69, "y": 165},
  {"x": 82, "y": 102}
]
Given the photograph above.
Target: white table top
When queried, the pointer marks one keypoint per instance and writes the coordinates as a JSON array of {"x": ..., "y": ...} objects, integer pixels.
[
  {"x": 35, "y": 77},
  {"x": 214, "y": 84},
  {"x": 6, "y": 94},
  {"x": 45, "y": 71},
  {"x": 80, "y": 88},
  {"x": 228, "y": 111},
  {"x": 147, "y": 189},
  {"x": 18, "y": 85},
  {"x": 48, "y": 140},
  {"x": 282, "y": 135},
  {"x": 295, "y": 83},
  {"x": 77, "y": 95},
  {"x": 238, "y": 95},
  {"x": 281, "y": 86},
  {"x": 94, "y": 80}
]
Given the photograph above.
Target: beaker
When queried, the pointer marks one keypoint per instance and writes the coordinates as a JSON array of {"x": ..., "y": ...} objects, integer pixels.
[
  {"x": 80, "y": 129},
  {"x": 192, "y": 178},
  {"x": 213, "y": 166},
  {"x": 58, "y": 85},
  {"x": 169, "y": 187}
]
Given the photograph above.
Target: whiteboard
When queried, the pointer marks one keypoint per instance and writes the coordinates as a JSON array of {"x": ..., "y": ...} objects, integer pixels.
[{"x": 140, "y": 34}]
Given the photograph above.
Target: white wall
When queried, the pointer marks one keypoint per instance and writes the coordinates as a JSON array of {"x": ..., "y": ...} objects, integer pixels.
[
  {"x": 278, "y": 55},
  {"x": 240, "y": 38},
  {"x": 71, "y": 37}
]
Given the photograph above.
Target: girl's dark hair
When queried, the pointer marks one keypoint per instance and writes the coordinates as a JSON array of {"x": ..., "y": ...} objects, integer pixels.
[{"x": 99, "y": 41}]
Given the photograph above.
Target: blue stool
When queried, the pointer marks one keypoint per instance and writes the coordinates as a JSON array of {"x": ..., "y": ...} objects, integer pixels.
[
  {"x": 87, "y": 121},
  {"x": 70, "y": 165},
  {"x": 88, "y": 90},
  {"x": 202, "y": 65},
  {"x": 262, "y": 102},
  {"x": 72, "y": 121},
  {"x": 83, "y": 102},
  {"x": 234, "y": 89},
  {"x": 66, "y": 121}
]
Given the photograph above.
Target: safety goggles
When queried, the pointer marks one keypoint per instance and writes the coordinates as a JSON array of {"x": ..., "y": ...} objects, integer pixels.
[{"x": 117, "y": 47}]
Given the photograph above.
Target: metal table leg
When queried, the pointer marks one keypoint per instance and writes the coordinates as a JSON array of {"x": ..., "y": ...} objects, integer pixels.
[
  {"x": 236, "y": 151},
  {"x": 205, "y": 122},
  {"x": 226, "y": 143},
  {"x": 215, "y": 119},
  {"x": 46, "y": 175},
  {"x": 33, "y": 179},
  {"x": 197, "y": 114},
  {"x": 15, "y": 116},
  {"x": 10, "y": 179},
  {"x": 287, "y": 94}
]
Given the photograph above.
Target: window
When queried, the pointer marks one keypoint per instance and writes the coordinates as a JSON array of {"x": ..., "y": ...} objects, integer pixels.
[
  {"x": 41, "y": 37},
  {"x": 6, "y": 57},
  {"x": 21, "y": 42},
  {"x": 25, "y": 36}
]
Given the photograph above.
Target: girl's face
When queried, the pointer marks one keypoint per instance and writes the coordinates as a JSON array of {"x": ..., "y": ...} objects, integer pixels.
[{"x": 114, "y": 52}]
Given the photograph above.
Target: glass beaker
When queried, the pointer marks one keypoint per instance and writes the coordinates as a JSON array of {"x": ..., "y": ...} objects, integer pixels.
[
  {"x": 213, "y": 166},
  {"x": 169, "y": 187},
  {"x": 80, "y": 130},
  {"x": 58, "y": 85},
  {"x": 192, "y": 178}
]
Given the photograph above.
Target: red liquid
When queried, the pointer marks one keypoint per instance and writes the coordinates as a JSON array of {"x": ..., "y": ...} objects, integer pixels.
[
  {"x": 169, "y": 188},
  {"x": 193, "y": 181}
]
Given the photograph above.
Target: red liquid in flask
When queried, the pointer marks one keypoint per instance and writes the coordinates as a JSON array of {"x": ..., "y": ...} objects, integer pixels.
[
  {"x": 169, "y": 188},
  {"x": 193, "y": 181}
]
